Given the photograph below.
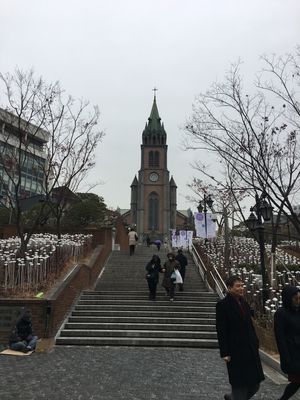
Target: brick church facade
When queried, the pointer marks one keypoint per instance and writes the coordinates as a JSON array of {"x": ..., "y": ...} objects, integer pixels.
[{"x": 153, "y": 207}]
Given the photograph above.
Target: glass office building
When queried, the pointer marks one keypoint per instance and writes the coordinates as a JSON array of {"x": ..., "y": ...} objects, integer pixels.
[{"x": 22, "y": 158}]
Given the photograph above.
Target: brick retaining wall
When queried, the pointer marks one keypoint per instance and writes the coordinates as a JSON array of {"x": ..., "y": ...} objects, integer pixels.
[{"x": 49, "y": 313}]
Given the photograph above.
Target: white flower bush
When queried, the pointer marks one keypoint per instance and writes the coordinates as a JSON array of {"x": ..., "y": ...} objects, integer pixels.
[
  {"x": 46, "y": 255},
  {"x": 244, "y": 260}
]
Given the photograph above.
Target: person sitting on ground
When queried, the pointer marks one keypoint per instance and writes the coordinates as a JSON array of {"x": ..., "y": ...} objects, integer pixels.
[{"x": 22, "y": 338}]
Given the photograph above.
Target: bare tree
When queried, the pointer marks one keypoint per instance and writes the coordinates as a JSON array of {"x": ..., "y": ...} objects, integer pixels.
[
  {"x": 48, "y": 140},
  {"x": 227, "y": 197},
  {"x": 257, "y": 135}
]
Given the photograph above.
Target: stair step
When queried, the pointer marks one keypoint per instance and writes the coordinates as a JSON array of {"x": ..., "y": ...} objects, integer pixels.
[
  {"x": 138, "y": 333},
  {"x": 144, "y": 295},
  {"x": 145, "y": 342},
  {"x": 146, "y": 302},
  {"x": 139, "y": 319},
  {"x": 144, "y": 313},
  {"x": 153, "y": 306},
  {"x": 141, "y": 326}
]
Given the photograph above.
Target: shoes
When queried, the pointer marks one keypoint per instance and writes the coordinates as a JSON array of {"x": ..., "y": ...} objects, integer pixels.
[
  {"x": 227, "y": 397},
  {"x": 171, "y": 299}
]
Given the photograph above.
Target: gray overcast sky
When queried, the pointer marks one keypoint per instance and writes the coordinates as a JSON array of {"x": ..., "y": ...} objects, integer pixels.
[{"x": 114, "y": 52}]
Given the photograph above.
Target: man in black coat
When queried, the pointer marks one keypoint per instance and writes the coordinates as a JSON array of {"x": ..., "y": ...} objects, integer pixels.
[
  {"x": 181, "y": 258},
  {"x": 238, "y": 342},
  {"x": 287, "y": 333}
]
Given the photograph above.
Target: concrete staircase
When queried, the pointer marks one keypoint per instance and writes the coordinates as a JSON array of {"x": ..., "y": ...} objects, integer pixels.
[{"x": 118, "y": 312}]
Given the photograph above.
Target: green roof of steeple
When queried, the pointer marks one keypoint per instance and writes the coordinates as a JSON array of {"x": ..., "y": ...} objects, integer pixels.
[
  {"x": 154, "y": 125},
  {"x": 154, "y": 119},
  {"x": 154, "y": 112}
]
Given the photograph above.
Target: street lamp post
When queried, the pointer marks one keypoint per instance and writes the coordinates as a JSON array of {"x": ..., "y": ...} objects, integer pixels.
[
  {"x": 261, "y": 212},
  {"x": 207, "y": 201}
]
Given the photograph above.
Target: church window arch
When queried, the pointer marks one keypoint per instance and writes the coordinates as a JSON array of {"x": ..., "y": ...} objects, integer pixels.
[
  {"x": 156, "y": 159},
  {"x": 153, "y": 207},
  {"x": 151, "y": 159}
]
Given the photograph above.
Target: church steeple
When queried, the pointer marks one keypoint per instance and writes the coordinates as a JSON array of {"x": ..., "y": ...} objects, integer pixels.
[
  {"x": 154, "y": 132},
  {"x": 154, "y": 118}
]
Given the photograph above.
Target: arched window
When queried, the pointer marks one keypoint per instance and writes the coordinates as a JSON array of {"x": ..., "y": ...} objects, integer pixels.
[
  {"x": 153, "y": 218},
  {"x": 156, "y": 159},
  {"x": 151, "y": 159}
]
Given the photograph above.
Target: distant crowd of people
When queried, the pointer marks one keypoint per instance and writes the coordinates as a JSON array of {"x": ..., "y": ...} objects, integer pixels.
[{"x": 173, "y": 273}]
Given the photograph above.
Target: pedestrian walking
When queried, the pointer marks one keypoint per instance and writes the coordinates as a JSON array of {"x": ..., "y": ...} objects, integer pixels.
[
  {"x": 287, "y": 333},
  {"x": 132, "y": 241},
  {"x": 238, "y": 342},
  {"x": 157, "y": 244},
  {"x": 148, "y": 241},
  {"x": 181, "y": 258},
  {"x": 153, "y": 269},
  {"x": 169, "y": 280}
]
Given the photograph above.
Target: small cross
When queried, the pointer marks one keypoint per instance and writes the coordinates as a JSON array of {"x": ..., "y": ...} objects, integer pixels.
[{"x": 155, "y": 90}]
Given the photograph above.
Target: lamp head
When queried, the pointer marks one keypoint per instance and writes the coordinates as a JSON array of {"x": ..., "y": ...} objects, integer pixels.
[{"x": 200, "y": 207}]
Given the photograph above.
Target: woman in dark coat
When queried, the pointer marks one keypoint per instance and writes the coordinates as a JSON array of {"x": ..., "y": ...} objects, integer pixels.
[
  {"x": 153, "y": 269},
  {"x": 238, "y": 342},
  {"x": 168, "y": 269},
  {"x": 287, "y": 333}
]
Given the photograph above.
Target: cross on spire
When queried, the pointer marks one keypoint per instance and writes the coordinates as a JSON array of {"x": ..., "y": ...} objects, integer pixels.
[{"x": 154, "y": 90}]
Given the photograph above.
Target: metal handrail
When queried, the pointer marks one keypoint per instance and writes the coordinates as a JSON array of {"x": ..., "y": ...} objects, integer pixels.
[{"x": 220, "y": 287}]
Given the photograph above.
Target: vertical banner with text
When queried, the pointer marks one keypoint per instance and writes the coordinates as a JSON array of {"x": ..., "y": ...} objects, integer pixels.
[{"x": 204, "y": 230}]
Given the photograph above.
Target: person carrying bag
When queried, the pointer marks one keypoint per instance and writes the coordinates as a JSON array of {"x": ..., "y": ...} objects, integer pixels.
[{"x": 170, "y": 275}]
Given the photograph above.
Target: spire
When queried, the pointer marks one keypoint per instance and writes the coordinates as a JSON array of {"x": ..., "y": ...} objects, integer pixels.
[
  {"x": 134, "y": 182},
  {"x": 154, "y": 132},
  {"x": 172, "y": 182},
  {"x": 154, "y": 119}
]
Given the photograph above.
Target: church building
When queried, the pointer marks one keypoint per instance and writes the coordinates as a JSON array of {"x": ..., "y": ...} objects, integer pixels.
[{"x": 153, "y": 204}]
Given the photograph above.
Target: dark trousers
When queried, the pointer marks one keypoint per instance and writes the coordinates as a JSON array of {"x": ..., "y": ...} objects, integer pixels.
[
  {"x": 25, "y": 344},
  {"x": 182, "y": 273},
  {"x": 131, "y": 249},
  {"x": 243, "y": 392},
  {"x": 152, "y": 289},
  {"x": 171, "y": 291},
  {"x": 290, "y": 390}
]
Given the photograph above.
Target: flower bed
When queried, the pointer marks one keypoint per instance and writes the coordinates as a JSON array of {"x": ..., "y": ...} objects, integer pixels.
[{"x": 45, "y": 259}]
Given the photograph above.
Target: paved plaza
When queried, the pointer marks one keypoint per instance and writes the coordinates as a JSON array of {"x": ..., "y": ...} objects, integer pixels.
[{"x": 119, "y": 373}]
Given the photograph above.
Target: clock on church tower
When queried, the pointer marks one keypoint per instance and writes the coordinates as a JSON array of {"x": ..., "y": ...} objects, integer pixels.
[
  {"x": 153, "y": 177},
  {"x": 153, "y": 193}
]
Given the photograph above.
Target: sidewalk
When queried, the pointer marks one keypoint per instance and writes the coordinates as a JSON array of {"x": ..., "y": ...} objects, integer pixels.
[{"x": 119, "y": 373}]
